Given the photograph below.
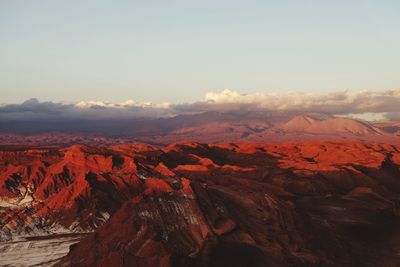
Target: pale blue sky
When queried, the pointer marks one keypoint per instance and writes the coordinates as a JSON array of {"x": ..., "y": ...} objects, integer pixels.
[{"x": 176, "y": 51}]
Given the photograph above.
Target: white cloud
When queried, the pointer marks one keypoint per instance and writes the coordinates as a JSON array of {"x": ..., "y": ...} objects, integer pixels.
[
  {"x": 125, "y": 104},
  {"x": 335, "y": 103},
  {"x": 341, "y": 102},
  {"x": 32, "y": 109}
]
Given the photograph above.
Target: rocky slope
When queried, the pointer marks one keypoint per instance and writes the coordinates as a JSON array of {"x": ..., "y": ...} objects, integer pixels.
[{"x": 190, "y": 204}]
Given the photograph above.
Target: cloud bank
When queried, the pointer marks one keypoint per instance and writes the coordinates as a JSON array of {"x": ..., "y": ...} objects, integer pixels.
[{"x": 335, "y": 103}]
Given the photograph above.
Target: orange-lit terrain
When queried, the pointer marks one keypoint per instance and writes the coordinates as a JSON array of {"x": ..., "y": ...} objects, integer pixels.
[
  {"x": 205, "y": 127},
  {"x": 314, "y": 203}
]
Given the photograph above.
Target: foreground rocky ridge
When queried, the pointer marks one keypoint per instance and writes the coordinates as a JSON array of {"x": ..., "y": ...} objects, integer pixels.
[{"x": 191, "y": 204}]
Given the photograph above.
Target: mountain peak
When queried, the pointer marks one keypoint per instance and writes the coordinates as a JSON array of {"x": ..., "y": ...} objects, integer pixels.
[{"x": 299, "y": 123}]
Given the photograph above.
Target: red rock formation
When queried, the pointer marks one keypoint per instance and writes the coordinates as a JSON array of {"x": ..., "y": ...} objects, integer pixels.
[
  {"x": 190, "y": 204},
  {"x": 76, "y": 187}
]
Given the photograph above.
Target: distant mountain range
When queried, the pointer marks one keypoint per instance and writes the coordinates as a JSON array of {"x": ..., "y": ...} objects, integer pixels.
[{"x": 202, "y": 127}]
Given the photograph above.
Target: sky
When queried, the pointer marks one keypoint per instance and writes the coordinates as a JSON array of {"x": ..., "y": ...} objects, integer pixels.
[{"x": 178, "y": 51}]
